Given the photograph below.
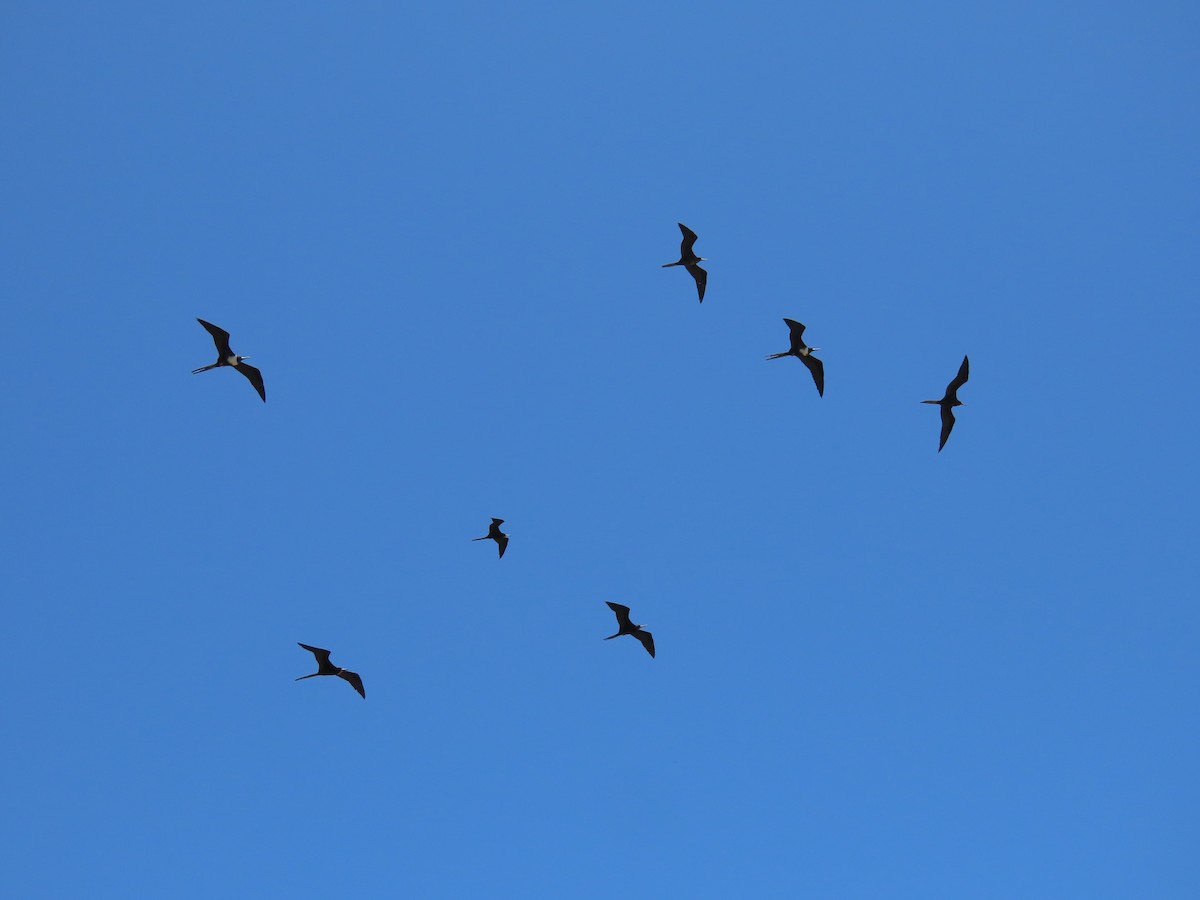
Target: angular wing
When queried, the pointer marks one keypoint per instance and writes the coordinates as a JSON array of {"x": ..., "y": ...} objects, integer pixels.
[
  {"x": 355, "y": 681},
  {"x": 623, "y": 620},
  {"x": 321, "y": 655},
  {"x": 947, "y": 424},
  {"x": 959, "y": 380},
  {"x": 502, "y": 541},
  {"x": 701, "y": 279},
  {"x": 255, "y": 377},
  {"x": 818, "y": 371},
  {"x": 496, "y": 521},
  {"x": 647, "y": 640},
  {"x": 796, "y": 330},
  {"x": 689, "y": 239},
  {"x": 220, "y": 337}
]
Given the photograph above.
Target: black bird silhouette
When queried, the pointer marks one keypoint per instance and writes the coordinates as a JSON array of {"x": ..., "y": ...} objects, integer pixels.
[
  {"x": 804, "y": 354},
  {"x": 496, "y": 535},
  {"x": 325, "y": 667},
  {"x": 226, "y": 357},
  {"x": 949, "y": 401},
  {"x": 688, "y": 260},
  {"x": 625, "y": 626}
]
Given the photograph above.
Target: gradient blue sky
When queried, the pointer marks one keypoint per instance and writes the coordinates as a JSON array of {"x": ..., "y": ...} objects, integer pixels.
[{"x": 438, "y": 229}]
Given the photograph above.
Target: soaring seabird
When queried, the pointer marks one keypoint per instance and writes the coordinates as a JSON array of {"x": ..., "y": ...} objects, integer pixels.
[
  {"x": 625, "y": 626},
  {"x": 949, "y": 401},
  {"x": 226, "y": 357},
  {"x": 804, "y": 354},
  {"x": 496, "y": 535},
  {"x": 325, "y": 667},
  {"x": 688, "y": 260}
]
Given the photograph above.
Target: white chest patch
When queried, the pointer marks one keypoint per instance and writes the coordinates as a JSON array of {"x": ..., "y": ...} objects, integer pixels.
[{"x": 231, "y": 360}]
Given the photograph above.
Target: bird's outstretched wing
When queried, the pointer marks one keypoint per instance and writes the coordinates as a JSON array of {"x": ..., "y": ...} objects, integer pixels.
[
  {"x": 255, "y": 377},
  {"x": 947, "y": 424},
  {"x": 647, "y": 640},
  {"x": 497, "y": 522},
  {"x": 959, "y": 380},
  {"x": 796, "y": 331},
  {"x": 220, "y": 337},
  {"x": 701, "y": 279},
  {"x": 623, "y": 620},
  {"x": 818, "y": 371},
  {"x": 689, "y": 239},
  {"x": 355, "y": 681},
  {"x": 502, "y": 542},
  {"x": 321, "y": 655}
]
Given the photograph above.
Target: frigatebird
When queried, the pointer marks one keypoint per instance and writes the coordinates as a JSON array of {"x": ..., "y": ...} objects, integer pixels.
[
  {"x": 325, "y": 667},
  {"x": 949, "y": 401},
  {"x": 688, "y": 260},
  {"x": 226, "y": 357},
  {"x": 626, "y": 626},
  {"x": 804, "y": 354},
  {"x": 496, "y": 535}
]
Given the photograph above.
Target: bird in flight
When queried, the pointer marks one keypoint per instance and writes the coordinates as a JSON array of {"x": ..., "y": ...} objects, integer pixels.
[
  {"x": 949, "y": 401},
  {"x": 325, "y": 667},
  {"x": 804, "y": 354},
  {"x": 226, "y": 357},
  {"x": 625, "y": 626},
  {"x": 496, "y": 535},
  {"x": 688, "y": 259}
]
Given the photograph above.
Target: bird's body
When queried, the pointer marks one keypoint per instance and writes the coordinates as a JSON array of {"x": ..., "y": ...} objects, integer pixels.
[
  {"x": 688, "y": 259},
  {"x": 804, "y": 353},
  {"x": 625, "y": 625},
  {"x": 226, "y": 357},
  {"x": 325, "y": 667},
  {"x": 949, "y": 401},
  {"x": 496, "y": 535}
]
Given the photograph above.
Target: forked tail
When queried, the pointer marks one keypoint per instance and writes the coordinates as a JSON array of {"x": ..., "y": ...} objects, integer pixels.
[
  {"x": 313, "y": 675},
  {"x": 204, "y": 368},
  {"x": 777, "y": 355}
]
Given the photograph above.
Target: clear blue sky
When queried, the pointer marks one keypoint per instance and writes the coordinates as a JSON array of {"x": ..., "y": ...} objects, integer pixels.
[{"x": 438, "y": 230}]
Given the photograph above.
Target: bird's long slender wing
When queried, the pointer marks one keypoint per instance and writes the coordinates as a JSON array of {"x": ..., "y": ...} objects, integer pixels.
[
  {"x": 355, "y": 681},
  {"x": 255, "y": 377},
  {"x": 689, "y": 239},
  {"x": 796, "y": 331},
  {"x": 818, "y": 371},
  {"x": 321, "y": 655},
  {"x": 502, "y": 541},
  {"x": 623, "y": 620},
  {"x": 647, "y": 640},
  {"x": 220, "y": 337},
  {"x": 959, "y": 380},
  {"x": 947, "y": 424},
  {"x": 701, "y": 279},
  {"x": 497, "y": 522}
]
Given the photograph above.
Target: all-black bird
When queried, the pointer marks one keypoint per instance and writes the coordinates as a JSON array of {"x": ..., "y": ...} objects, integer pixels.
[
  {"x": 496, "y": 535},
  {"x": 325, "y": 667},
  {"x": 625, "y": 626},
  {"x": 226, "y": 357},
  {"x": 804, "y": 354},
  {"x": 949, "y": 401},
  {"x": 688, "y": 259}
]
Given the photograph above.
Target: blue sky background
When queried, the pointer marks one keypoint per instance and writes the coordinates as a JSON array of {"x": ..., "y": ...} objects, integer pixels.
[{"x": 438, "y": 230}]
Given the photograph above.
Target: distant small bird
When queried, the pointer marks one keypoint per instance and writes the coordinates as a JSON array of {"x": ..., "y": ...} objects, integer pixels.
[
  {"x": 625, "y": 626},
  {"x": 325, "y": 667},
  {"x": 804, "y": 354},
  {"x": 949, "y": 401},
  {"x": 496, "y": 535},
  {"x": 688, "y": 260},
  {"x": 226, "y": 357}
]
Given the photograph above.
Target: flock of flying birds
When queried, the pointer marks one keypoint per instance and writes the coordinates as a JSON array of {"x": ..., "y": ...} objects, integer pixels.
[{"x": 689, "y": 260}]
